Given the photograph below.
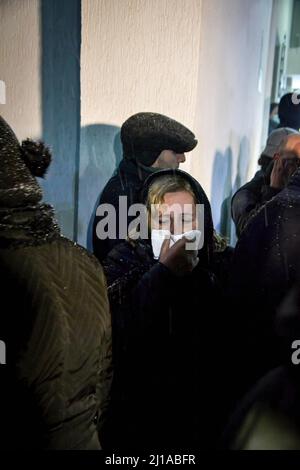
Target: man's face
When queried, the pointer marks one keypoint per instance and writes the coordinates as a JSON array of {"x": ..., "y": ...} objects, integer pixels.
[
  {"x": 288, "y": 161},
  {"x": 293, "y": 145},
  {"x": 169, "y": 159}
]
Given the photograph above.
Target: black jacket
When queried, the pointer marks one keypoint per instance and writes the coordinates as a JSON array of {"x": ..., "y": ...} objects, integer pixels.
[
  {"x": 268, "y": 417},
  {"x": 164, "y": 333},
  {"x": 166, "y": 341},
  {"x": 265, "y": 266},
  {"x": 247, "y": 199},
  {"x": 55, "y": 324},
  {"x": 54, "y": 320},
  {"x": 127, "y": 181}
]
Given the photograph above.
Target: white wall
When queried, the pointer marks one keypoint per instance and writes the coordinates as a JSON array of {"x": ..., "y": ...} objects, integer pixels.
[
  {"x": 20, "y": 65},
  {"x": 231, "y": 93},
  {"x": 137, "y": 55}
]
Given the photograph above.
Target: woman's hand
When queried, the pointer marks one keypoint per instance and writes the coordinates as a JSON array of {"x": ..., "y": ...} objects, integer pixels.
[{"x": 179, "y": 260}]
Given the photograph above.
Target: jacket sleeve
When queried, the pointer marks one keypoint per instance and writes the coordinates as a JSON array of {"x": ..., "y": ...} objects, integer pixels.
[
  {"x": 244, "y": 202},
  {"x": 248, "y": 199},
  {"x": 268, "y": 192},
  {"x": 142, "y": 296},
  {"x": 118, "y": 186}
]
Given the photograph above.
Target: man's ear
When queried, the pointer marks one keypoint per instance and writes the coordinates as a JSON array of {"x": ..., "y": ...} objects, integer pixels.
[{"x": 276, "y": 156}]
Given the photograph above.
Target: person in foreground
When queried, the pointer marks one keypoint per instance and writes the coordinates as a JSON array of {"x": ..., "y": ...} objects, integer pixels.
[
  {"x": 55, "y": 321},
  {"x": 167, "y": 324}
]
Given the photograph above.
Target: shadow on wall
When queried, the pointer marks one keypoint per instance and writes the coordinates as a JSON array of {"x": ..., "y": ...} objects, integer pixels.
[
  {"x": 222, "y": 189},
  {"x": 100, "y": 154}
]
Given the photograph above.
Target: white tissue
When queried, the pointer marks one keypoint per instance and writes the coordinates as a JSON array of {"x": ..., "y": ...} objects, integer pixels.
[{"x": 158, "y": 236}]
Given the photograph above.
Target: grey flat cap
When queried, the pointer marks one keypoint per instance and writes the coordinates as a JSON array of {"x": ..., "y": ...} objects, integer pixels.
[{"x": 275, "y": 139}]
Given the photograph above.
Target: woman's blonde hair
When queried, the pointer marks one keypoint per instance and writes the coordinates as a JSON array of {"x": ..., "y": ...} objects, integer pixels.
[
  {"x": 157, "y": 191},
  {"x": 167, "y": 184}
]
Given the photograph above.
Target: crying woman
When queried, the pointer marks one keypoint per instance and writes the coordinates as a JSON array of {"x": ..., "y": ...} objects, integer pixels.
[{"x": 167, "y": 324}]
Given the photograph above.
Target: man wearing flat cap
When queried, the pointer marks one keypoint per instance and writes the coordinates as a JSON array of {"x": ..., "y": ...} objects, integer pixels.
[{"x": 150, "y": 142}]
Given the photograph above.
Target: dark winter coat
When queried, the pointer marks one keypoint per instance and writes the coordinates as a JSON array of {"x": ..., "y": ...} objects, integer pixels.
[
  {"x": 166, "y": 337},
  {"x": 247, "y": 200},
  {"x": 56, "y": 326},
  {"x": 127, "y": 181},
  {"x": 265, "y": 266},
  {"x": 54, "y": 320},
  {"x": 268, "y": 417}
]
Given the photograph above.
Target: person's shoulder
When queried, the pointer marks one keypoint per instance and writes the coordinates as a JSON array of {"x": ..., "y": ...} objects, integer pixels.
[
  {"x": 277, "y": 204},
  {"x": 124, "y": 252},
  {"x": 266, "y": 408},
  {"x": 290, "y": 194},
  {"x": 76, "y": 251},
  {"x": 118, "y": 185},
  {"x": 128, "y": 255},
  {"x": 120, "y": 262},
  {"x": 267, "y": 428},
  {"x": 112, "y": 184},
  {"x": 265, "y": 214},
  {"x": 252, "y": 186}
]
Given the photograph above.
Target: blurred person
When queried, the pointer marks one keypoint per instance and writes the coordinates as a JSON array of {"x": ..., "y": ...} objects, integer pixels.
[{"x": 266, "y": 265}]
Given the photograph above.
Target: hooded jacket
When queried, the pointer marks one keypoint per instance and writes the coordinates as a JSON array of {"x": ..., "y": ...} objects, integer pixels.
[
  {"x": 54, "y": 321},
  {"x": 127, "y": 181},
  {"x": 163, "y": 347}
]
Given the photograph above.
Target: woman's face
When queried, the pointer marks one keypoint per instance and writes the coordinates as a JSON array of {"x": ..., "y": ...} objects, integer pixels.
[{"x": 177, "y": 213}]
